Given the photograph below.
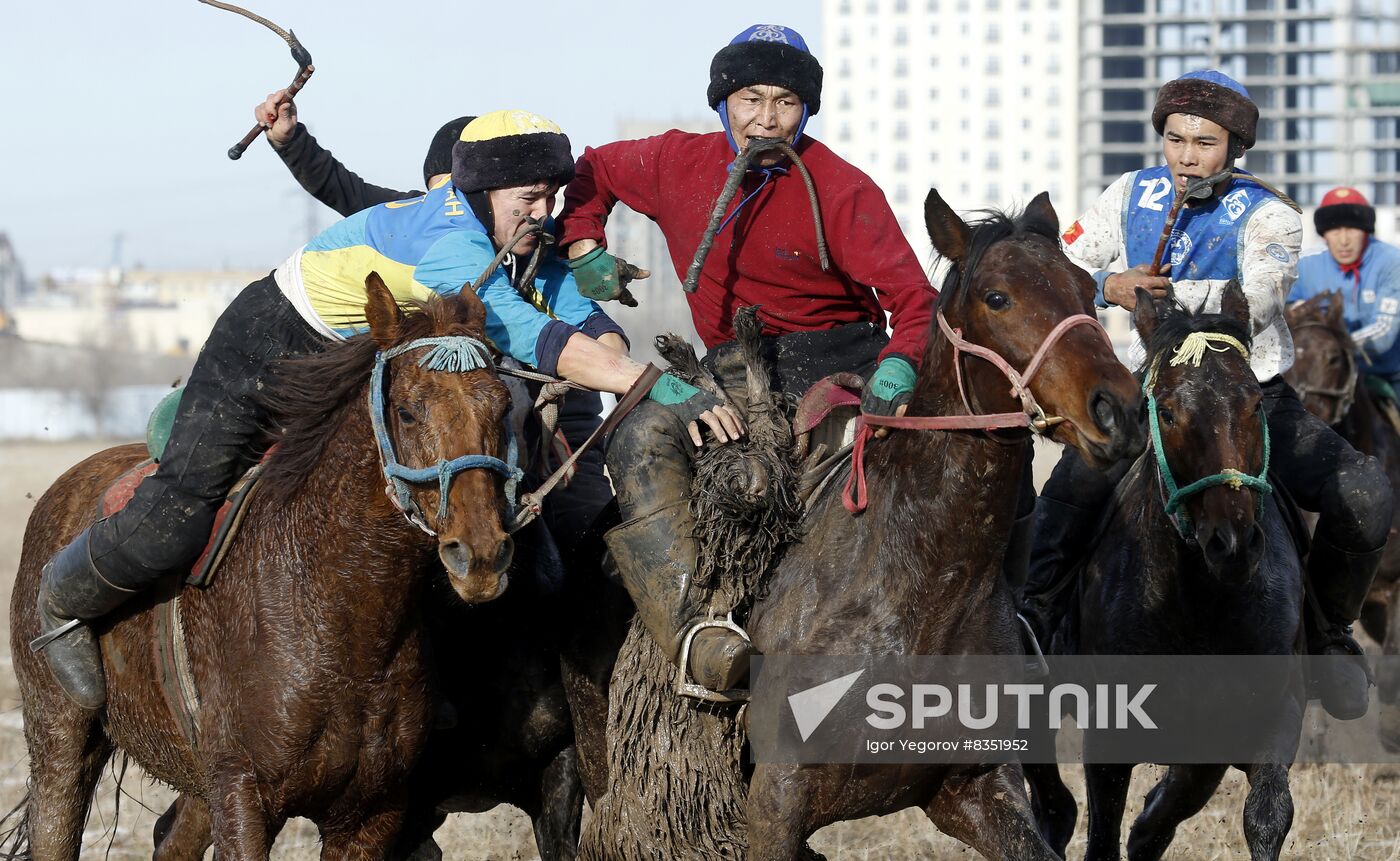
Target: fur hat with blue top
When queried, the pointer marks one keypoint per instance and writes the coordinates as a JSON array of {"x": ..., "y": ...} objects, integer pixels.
[
  {"x": 767, "y": 54},
  {"x": 1210, "y": 95}
]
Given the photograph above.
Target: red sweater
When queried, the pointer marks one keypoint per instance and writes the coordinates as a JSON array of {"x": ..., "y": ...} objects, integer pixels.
[{"x": 767, "y": 255}]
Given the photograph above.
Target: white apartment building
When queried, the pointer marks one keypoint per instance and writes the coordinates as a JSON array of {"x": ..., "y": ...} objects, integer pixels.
[{"x": 975, "y": 97}]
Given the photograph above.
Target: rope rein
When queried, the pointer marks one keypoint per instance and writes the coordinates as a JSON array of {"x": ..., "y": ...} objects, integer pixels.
[{"x": 737, "y": 171}]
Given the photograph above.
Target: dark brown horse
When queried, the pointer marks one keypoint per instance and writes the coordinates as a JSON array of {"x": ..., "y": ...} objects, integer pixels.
[
  {"x": 1332, "y": 387},
  {"x": 1200, "y": 571},
  {"x": 919, "y": 572},
  {"x": 309, "y": 650}
]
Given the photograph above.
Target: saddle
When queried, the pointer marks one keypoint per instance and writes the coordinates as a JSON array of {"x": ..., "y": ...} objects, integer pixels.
[{"x": 823, "y": 431}]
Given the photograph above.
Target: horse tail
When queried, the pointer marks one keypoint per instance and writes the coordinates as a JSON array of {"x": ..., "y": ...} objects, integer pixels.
[{"x": 14, "y": 832}]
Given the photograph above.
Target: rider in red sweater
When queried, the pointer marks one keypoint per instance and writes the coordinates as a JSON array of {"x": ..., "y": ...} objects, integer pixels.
[{"x": 764, "y": 84}]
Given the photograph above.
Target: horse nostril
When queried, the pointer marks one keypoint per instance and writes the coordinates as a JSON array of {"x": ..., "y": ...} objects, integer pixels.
[
  {"x": 1220, "y": 546},
  {"x": 1105, "y": 411},
  {"x": 504, "y": 555},
  {"x": 455, "y": 556}
]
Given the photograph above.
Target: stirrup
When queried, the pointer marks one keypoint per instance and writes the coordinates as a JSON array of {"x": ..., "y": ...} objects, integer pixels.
[
  {"x": 686, "y": 686},
  {"x": 38, "y": 643},
  {"x": 1036, "y": 667}
]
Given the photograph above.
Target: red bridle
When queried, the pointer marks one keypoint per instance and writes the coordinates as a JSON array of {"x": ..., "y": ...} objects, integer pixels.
[{"x": 1030, "y": 416}]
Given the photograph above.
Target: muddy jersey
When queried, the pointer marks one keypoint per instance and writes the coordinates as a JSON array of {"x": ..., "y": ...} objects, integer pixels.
[{"x": 1246, "y": 234}]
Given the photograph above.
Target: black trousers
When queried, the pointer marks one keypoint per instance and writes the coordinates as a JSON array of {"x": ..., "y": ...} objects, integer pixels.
[
  {"x": 1321, "y": 471},
  {"x": 578, "y": 513},
  {"x": 218, "y": 434}
]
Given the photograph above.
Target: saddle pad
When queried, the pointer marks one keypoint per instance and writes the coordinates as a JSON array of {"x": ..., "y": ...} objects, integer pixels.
[
  {"x": 226, "y": 521},
  {"x": 827, "y": 394}
]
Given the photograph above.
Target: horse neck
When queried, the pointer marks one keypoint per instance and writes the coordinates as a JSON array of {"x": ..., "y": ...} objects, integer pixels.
[
  {"x": 364, "y": 561},
  {"x": 929, "y": 484},
  {"x": 1362, "y": 424}
]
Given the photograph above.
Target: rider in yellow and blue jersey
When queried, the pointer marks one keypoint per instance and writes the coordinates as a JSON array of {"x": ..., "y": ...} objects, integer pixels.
[{"x": 507, "y": 169}]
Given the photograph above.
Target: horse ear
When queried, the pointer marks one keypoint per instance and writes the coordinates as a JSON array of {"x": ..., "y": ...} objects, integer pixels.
[
  {"x": 1040, "y": 211},
  {"x": 1234, "y": 305},
  {"x": 949, "y": 234},
  {"x": 1334, "y": 309},
  {"x": 471, "y": 313},
  {"x": 382, "y": 312},
  {"x": 1147, "y": 313}
]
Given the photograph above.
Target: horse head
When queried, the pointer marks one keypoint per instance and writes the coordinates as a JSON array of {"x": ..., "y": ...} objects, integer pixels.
[
  {"x": 442, "y": 417},
  {"x": 1209, "y": 434},
  {"x": 1324, "y": 357},
  {"x": 1011, "y": 289}
]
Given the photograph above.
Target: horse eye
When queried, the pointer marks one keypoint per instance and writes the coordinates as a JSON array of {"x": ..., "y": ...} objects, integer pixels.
[
  {"x": 406, "y": 417},
  {"x": 997, "y": 301},
  {"x": 1165, "y": 416}
]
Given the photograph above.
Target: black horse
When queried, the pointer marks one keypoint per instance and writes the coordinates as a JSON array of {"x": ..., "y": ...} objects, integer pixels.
[{"x": 1219, "y": 574}]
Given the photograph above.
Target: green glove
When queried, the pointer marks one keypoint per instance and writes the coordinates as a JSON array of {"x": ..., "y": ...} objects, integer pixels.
[
  {"x": 681, "y": 398},
  {"x": 602, "y": 277},
  {"x": 889, "y": 388}
]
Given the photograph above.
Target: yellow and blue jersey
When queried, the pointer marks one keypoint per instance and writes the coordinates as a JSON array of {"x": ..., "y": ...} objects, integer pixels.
[{"x": 435, "y": 244}]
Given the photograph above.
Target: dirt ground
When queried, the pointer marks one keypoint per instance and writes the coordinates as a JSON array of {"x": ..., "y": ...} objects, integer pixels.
[{"x": 1342, "y": 812}]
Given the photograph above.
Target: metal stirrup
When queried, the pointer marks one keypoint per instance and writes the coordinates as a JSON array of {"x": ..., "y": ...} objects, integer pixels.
[{"x": 688, "y": 687}]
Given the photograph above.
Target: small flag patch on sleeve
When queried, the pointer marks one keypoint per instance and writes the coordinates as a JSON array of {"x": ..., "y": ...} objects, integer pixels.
[{"x": 1073, "y": 233}]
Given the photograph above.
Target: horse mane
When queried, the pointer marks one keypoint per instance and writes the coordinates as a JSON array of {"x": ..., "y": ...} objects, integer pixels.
[
  {"x": 990, "y": 227},
  {"x": 307, "y": 397},
  {"x": 1175, "y": 321}
]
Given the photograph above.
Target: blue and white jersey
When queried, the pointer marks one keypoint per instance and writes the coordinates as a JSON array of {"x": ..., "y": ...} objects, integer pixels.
[
  {"x": 1246, "y": 233},
  {"x": 1370, "y": 300}
]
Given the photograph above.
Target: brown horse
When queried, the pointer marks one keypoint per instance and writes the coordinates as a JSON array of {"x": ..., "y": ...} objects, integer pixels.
[
  {"x": 309, "y": 650},
  {"x": 1327, "y": 378},
  {"x": 919, "y": 572}
]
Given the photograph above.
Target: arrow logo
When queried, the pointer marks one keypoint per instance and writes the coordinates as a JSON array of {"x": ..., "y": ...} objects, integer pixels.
[{"x": 810, "y": 707}]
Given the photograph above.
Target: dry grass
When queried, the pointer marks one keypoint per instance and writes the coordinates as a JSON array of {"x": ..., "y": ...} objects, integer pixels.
[{"x": 1343, "y": 812}]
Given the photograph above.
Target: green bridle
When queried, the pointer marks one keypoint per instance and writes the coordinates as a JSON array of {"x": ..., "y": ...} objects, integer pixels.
[{"x": 1193, "y": 350}]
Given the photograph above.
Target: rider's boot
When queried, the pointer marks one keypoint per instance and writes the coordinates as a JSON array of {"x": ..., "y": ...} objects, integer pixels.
[
  {"x": 1014, "y": 567},
  {"x": 71, "y": 588},
  {"x": 1339, "y": 581},
  {"x": 656, "y": 556},
  {"x": 1060, "y": 534}
]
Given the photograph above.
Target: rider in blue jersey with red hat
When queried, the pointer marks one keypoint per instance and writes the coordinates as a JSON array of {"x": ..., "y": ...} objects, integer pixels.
[{"x": 1365, "y": 271}]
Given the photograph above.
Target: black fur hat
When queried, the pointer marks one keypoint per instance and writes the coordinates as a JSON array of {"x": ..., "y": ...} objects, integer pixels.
[
  {"x": 439, "y": 158},
  {"x": 508, "y": 148},
  {"x": 767, "y": 54}
]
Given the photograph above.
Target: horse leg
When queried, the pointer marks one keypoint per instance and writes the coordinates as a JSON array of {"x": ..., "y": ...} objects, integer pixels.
[
  {"x": 1388, "y": 676},
  {"x": 1268, "y": 810},
  {"x": 1179, "y": 795},
  {"x": 67, "y": 750},
  {"x": 777, "y": 808},
  {"x": 241, "y": 825},
  {"x": 1054, "y": 806},
  {"x": 988, "y": 810},
  {"x": 183, "y": 832},
  {"x": 1108, "y": 796},
  {"x": 369, "y": 838},
  {"x": 560, "y": 811}
]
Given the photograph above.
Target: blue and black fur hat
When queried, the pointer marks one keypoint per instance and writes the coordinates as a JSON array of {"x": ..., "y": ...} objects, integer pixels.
[{"x": 767, "y": 54}]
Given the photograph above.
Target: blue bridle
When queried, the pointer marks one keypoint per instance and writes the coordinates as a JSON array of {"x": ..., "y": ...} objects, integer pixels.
[{"x": 453, "y": 354}]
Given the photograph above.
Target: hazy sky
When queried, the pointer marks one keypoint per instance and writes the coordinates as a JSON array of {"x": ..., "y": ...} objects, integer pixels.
[{"x": 118, "y": 114}]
